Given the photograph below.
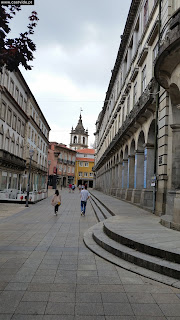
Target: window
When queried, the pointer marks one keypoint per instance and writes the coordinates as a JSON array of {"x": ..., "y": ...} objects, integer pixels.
[
  {"x": 143, "y": 79},
  {"x": 14, "y": 121},
  {"x": 25, "y": 105},
  {"x": 4, "y": 180},
  {"x": 117, "y": 88},
  {"x": 19, "y": 126},
  {"x": 145, "y": 13},
  {"x": 7, "y": 143},
  {"x": 86, "y": 164},
  {"x": 72, "y": 169},
  {"x": 12, "y": 144},
  {"x": 35, "y": 136},
  {"x": 80, "y": 164},
  {"x": 17, "y": 94},
  {"x": 64, "y": 168},
  {"x": 91, "y": 174},
  {"x": 80, "y": 174},
  {"x": 3, "y": 110},
  {"x": 135, "y": 93},
  {"x": 85, "y": 174},
  {"x": 85, "y": 155},
  {"x": 122, "y": 115},
  {"x": 12, "y": 87},
  {"x": 128, "y": 105},
  {"x": 23, "y": 129},
  {"x": 9, "y": 116},
  {"x": 38, "y": 142},
  {"x": 17, "y": 147},
  {"x": 21, "y": 100},
  {"x": 6, "y": 79},
  {"x": 69, "y": 169},
  {"x": 155, "y": 52},
  {"x": 32, "y": 135},
  {"x": 29, "y": 132}
]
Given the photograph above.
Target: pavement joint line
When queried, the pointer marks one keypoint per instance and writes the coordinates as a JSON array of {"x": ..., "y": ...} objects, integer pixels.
[{"x": 66, "y": 235}]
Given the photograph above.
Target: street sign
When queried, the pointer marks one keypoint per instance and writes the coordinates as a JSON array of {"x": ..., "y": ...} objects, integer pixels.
[{"x": 153, "y": 181}]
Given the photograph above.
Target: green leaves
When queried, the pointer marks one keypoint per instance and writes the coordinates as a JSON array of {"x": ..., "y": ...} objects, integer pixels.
[{"x": 14, "y": 52}]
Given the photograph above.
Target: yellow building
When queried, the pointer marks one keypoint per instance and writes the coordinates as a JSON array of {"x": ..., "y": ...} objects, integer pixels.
[{"x": 83, "y": 169}]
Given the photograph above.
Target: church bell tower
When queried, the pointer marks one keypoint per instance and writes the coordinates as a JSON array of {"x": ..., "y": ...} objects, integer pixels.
[{"x": 79, "y": 136}]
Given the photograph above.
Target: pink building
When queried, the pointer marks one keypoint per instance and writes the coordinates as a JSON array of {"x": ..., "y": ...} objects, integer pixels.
[{"x": 61, "y": 164}]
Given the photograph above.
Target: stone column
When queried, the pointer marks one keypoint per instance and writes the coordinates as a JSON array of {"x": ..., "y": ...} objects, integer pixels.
[
  {"x": 139, "y": 170},
  {"x": 119, "y": 182},
  {"x": 147, "y": 193},
  {"x": 130, "y": 177},
  {"x": 176, "y": 173},
  {"x": 138, "y": 176},
  {"x": 131, "y": 165},
  {"x": 124, "y": 177},
  {"x": 175, "y": 156}
]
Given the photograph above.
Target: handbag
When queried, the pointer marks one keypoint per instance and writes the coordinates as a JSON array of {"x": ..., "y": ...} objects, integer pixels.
[{"x": 59, "y": 203}]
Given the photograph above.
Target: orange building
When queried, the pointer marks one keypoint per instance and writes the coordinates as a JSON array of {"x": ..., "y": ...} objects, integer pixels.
[{"x": 83, "y": 168}]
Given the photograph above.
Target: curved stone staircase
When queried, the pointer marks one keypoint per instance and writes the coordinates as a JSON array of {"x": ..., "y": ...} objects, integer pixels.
[{"x": 133, "y": 246}]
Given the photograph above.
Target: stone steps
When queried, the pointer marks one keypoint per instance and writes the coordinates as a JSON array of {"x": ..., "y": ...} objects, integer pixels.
[
  {"x": 100, "y": 210},
  {"x": 137, "y": 240},
  {"x": 144, "y": 260},
  {"x": 111, "y": 231},
  {"x": 120, "y": 262}
]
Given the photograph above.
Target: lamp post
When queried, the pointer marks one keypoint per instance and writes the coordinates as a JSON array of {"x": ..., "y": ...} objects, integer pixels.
[
  {"x": 49, "y": 163},
  {"x": 31, "y": 152},
  {"x": 56, "y": 178}
]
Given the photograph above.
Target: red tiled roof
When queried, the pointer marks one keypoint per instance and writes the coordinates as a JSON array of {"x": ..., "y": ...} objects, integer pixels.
[
  {"x": 86, "y": 150},
  {"x": 85, "y": 159},
  {"x": 61, "y": 145}
]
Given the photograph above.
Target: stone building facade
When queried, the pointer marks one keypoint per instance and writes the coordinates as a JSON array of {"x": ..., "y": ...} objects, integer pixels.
[
  {"x": 61, "y": 166},
  {"x": 167, "y": 71},
  {"x": 135, "y": 137},
  {"x": 79, "y": 136},
  {"x": 22, "y": 127}
]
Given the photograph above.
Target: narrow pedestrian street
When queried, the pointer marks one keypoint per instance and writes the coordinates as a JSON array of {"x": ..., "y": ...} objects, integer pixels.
[{"x": 47, "y": 273}]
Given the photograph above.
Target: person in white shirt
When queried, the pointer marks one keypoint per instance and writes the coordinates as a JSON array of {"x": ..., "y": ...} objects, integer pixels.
[{"x": 84, "y": 197}]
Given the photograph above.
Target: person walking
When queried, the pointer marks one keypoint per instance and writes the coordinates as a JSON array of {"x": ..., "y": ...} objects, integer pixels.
[
  {"x": 56, "y": 201},
  {"x": 84, "y": 197},
  {"x": 73, "y": 187},
  {"x": 70, "y": 187}
]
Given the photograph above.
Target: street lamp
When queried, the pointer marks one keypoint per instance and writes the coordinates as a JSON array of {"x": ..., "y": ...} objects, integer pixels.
[
  {"x": 49, "y": 163},
  {"x": 31, "y": 152}
]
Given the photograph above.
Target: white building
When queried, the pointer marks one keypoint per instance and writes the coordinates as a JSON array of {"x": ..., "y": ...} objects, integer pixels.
[
  {"x": 134, "y": 131},
  {"x": 22, "y": 127}
]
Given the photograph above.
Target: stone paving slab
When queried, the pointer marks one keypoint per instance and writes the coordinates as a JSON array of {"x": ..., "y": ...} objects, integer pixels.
[{"x": 47, "y": 272}]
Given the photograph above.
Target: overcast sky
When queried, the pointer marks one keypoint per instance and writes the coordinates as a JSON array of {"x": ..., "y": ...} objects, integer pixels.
[{"x": 77, "y": 44}]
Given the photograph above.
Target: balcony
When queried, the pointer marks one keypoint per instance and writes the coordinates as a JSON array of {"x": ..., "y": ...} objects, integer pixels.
[
  {"x": 9, "y": 160},
  {"x": 137, "y": 113},
  {"x": 142, "y": 56},
  {"x": 168, "y": 58}
]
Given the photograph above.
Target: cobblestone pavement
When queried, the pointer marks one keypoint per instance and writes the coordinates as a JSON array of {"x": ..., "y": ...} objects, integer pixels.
[{"x": 47, "y": 273}]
